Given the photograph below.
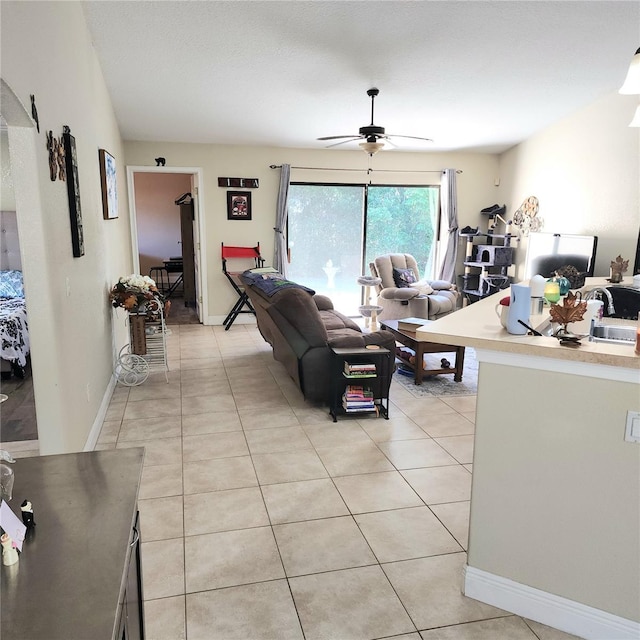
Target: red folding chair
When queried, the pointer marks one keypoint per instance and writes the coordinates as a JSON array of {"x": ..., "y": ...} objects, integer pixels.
[{"x": 252, "y": 260}]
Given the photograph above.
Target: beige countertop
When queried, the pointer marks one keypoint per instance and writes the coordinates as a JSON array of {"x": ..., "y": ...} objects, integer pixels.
[{"x": 478, "y": 326}]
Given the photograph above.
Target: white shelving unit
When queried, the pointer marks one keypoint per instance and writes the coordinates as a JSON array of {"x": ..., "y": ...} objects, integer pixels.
[{"x": 145, "y": 353}]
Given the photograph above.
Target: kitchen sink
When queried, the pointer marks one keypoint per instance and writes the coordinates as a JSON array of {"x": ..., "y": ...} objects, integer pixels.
[{"x": 613, "y": 333}]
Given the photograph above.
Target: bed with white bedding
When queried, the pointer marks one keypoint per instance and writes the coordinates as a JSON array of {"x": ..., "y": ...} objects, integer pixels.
[{"x": 14, "y": 329}]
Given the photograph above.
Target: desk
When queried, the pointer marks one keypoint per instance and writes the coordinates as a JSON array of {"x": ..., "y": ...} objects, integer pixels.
[{"x": 163, "y": 281}]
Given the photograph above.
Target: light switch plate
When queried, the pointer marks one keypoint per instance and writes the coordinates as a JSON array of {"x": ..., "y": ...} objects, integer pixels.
[{"x": 632, "y": 428}]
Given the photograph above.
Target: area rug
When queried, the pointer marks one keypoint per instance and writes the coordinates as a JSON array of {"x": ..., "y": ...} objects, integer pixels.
[{"x": 442, "y": 385}]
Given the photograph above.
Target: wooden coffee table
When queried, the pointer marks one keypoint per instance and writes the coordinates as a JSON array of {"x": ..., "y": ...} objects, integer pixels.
[{"x": 408, "y": 339}]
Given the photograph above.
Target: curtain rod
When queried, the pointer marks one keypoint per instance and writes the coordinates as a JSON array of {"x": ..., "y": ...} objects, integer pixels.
[{"x": 279, "y": 166}]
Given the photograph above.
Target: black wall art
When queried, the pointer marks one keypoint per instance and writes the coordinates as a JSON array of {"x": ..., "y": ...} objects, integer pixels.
[
  {"x": 73, "y": 190},
  {"x": 238, "y": 205}
]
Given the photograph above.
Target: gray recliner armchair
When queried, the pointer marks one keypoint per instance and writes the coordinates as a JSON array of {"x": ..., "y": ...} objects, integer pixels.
[{"x": 402, "y": 294}]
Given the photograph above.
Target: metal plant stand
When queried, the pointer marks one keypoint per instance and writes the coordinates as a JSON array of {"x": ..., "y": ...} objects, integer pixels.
[{"x": 146, "y": 350}]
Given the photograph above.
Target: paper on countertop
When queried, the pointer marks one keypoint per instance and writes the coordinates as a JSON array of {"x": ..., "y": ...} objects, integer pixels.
[{"x": 12, "y": 525}]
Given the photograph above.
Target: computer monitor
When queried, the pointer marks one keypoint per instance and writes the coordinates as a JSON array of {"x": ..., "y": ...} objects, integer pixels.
[{"x": 547, "y": 252}]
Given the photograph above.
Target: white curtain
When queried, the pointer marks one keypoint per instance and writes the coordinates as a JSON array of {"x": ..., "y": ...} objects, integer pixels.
[
  {"x": 449, "y": 204},
  {"x": 282, "y": 211}
]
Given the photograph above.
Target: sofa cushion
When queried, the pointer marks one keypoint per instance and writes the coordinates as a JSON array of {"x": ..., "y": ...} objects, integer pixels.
[
  {"x": 404, "y": 277},
  {"x": 405, "y": 293},
  {"x": 348, "y": 338},
  {"x": 323, "y": 302},
  {"x": 333, "y": 320},
  {"x": 440, "y": 284},
  {"x": 441, "y": 303},
  {"x": 298, "y": 308},
  {"x": 423, "y": 287}
]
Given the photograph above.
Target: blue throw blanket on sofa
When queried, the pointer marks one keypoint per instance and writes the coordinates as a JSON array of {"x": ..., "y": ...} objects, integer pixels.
[{"x": 270, "y": 283}]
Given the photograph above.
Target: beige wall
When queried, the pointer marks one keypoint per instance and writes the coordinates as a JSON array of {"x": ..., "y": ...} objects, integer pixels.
[
  {"x": 585, "y": 171},
  {"x": 158, "y": 217},
  {"x": 555, "y": 498},
  {"x": 475, "y": 190},
  {"x": 47, "y": 51}
]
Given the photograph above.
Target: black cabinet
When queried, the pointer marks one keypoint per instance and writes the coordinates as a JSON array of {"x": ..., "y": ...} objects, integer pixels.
[{"x": 368, "y": 370}]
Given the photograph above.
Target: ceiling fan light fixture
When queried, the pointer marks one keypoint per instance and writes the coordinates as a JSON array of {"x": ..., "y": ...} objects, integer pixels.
[
  {"x": 371, "y": 147},
  {"x": 631, "y": 85}
]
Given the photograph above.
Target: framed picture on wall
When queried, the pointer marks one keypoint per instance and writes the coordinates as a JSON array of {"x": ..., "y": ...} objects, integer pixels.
[
  {"x": 73, "y": 191},
  {"x": 238, "y": 205},
  {"x": 109, "y": 187}
]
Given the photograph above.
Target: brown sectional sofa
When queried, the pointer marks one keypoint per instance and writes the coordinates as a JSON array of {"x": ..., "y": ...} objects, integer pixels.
[{"x": 301, "y": 328}]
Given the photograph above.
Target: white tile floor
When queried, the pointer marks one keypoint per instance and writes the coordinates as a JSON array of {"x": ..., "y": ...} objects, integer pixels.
[{"x": 262, "y": 519}]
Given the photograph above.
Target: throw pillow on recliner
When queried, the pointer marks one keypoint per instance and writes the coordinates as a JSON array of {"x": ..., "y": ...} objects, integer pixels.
[{"x": 403, "y": 277}]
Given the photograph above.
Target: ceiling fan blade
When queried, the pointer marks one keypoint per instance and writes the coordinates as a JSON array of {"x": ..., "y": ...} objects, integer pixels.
[
  {"x": 391, "y": 135},
  {"x": 337, "y": 144},
  {"x": 351, "y": 135}
]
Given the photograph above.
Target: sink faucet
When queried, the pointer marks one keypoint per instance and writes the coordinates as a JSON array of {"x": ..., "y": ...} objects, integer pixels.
[{"x": 597, "y": 295}]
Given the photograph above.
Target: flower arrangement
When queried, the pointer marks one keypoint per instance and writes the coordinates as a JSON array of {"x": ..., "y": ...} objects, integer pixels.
[{"x": 136, "y": 293}]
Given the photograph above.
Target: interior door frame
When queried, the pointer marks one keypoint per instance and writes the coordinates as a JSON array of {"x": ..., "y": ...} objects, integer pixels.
[{"x": 200, "y": 252}]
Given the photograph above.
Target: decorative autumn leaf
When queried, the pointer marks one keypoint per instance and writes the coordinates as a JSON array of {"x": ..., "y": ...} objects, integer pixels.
[
  {"x": 570, "y": 300},
  {"x": 619, "y": 265},
  {"x": 568, "y": 313}
]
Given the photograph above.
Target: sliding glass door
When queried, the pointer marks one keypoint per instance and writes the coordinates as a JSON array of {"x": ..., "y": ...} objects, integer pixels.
[{"x": 334, "y": 231}]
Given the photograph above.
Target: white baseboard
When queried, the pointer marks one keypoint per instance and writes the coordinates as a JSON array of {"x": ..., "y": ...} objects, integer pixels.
[
  {"x": 241, "y": 319},
  {"x": 94, "y": 434},
  {"x": 555, "y": 611}
]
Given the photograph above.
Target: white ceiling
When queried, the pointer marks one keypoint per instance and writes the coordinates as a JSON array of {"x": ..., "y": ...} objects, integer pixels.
[{"x": 471, "y": 75}]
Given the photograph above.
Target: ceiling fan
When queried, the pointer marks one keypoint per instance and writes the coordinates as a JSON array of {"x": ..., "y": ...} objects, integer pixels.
[{"x": 372, "y": 134}]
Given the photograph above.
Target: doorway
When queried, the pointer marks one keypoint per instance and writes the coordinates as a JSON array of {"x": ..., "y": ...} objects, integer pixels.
[
  {"x": 167, "y": 236},
  {"x": 18, "y": 425},
  {"x": 18, "y": 413}
]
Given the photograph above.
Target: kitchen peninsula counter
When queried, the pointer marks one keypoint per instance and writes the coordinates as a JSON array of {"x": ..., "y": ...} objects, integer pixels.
[
  {"x": 478, "y": 326},
  {"x": 554, "y": 531}
]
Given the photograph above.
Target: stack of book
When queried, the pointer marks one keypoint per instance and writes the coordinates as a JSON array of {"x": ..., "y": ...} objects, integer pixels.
[
  {"x": 357, "y": 399},
  {"x": 359, "y": 370}
]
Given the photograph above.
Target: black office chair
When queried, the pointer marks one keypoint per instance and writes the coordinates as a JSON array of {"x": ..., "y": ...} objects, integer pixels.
[{"x": 251, "y": 259}]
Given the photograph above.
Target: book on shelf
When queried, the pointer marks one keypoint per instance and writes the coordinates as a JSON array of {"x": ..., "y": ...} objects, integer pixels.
[
  {"x": 373, "y": 408},
  {"x": 356, "y": 374},
  {"x": 368, "y": 407},
  {"x": 357, "y": 391},
  {"x": 359, "y": 369},
  {"x": 360, "y": 400},
  {"x": 411, "y": 324}
]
